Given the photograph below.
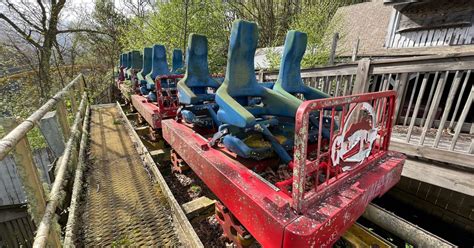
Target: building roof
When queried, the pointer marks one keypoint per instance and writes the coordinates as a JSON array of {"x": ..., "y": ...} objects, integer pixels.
[
  {"x": 370, "y": 23},
  {"x": 367, "y": 21}
]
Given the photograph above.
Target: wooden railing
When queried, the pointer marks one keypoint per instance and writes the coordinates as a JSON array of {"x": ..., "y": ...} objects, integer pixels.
[
  {"x": 42, "y": 205},
  {"x": 434, "y": 113}
]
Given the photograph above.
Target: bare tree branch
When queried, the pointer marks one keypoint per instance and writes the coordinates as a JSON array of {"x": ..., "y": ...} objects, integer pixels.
[
  {"x": 43, "y": 13},
  {"x": 20, "y": 31},
  {"x": 23, "y": 17}
]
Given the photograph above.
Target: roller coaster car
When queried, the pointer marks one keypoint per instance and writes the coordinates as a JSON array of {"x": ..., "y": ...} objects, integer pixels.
[
  {"x": 257, "y": 122},
  {"x": 319, "y": 194},
  {"x": 157, "y": 98},
  {"x": 196, "y": 89}
]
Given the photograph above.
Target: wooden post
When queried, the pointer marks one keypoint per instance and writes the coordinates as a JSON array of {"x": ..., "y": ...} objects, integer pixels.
[
  {"x": 447, "y": 108},
  {"x": 332, "y": 55},
  {"x": 30, "y": 178},
  {"x": 434, "y": 106},
  {"x": 50, "y": 128},
  {"x": 401, "y": 88},
  {"x": 461, "y": 120},
  {"x": 361, "y": 84},
  {"x": 355, "y": 50},
  {"x": 62, "y": 117},
  {"x": 72, "y": 97},
  {"x": 260, "y": 75}
]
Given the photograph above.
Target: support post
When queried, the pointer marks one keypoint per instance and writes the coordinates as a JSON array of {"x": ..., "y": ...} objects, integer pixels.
[
  {"x": 332, "y": 55},
  {"x": 61, "y": 112},
  {"x": 50, "y": 128},
  {"x": 361, "y": 84},
  {"x": 355, "y": 50}
]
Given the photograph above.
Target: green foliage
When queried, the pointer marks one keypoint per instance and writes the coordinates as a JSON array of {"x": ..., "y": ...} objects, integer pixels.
[
  {"x": 274, "y": 59},
  {"x": 172, "y": 22},
  {"x": 317, "y": 21}
]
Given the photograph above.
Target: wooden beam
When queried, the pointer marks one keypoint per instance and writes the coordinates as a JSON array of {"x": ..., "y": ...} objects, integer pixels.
[
  {"x": 61, "y": 111},
  {"x": 332, "y": 55},
  {"x": 199, "y": 208},
  {"x": 455, "y": 180},
  {"x": 361, "y": 84},
  {"x": 456, "y": 159}
]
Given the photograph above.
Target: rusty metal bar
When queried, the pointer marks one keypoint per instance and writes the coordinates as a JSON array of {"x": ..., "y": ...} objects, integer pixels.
[
  {"x": 8, "y": 142},
  {"x": 300, "y": 166}
]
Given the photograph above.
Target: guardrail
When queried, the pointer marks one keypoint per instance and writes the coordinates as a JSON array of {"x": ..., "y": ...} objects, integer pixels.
[
  {"x": 42, "y": 206},
  {"x": 433, "y": 114}
]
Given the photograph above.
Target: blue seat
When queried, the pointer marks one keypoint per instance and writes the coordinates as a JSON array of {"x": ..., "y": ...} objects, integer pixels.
[
  {"x": 129, "y": 64},
  {"x": 135, "y": 59},
  {"x": 177, "y": 62},
  {"x": 159, "y": 67},
  {"x": 289, "y": 82},
  {"x": 146, "y": 69},
  {"x": 257, "y": 121},
  {"x": 122, "y": 66},
  {"x": 196, "y": 89}
]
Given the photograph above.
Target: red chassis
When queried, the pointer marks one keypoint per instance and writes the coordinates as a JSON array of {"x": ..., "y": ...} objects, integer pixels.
[
  {"x": 315, "y": 216},
  {"x": 165, "y": 106}
]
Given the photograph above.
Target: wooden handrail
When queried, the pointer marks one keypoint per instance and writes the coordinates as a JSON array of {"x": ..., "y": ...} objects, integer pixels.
[{"x": 8, "y": 142}]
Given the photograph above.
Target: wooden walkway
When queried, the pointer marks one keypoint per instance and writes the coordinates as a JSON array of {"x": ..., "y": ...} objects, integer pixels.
[{"x": 123, "y": 207}]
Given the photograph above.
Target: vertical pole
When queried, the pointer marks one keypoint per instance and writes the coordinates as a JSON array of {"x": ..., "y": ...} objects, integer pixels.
[
  {"x": 62, "y": 117},
  {"x": 355, "y": 50},
  {"x": 332, "y": 55},
  {"x": 361, "y": 84},
  {"x": 401, "y": 88},
  {"x": 72, "y": 97}
]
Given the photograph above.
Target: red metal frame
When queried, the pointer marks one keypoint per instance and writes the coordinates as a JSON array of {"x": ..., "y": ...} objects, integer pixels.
[
  {"x": 279, "y": 218},
  {"x": 165, "y": 107}
]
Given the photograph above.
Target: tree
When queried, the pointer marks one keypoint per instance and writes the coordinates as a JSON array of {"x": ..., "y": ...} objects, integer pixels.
[
  {"x": 37, "y": 23},
  {"x": 272, "y": 16},
  {"x": 170, "y": 24}
]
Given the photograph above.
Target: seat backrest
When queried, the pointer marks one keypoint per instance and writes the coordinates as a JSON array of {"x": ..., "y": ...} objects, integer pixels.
[
  {"x": 240, "y": 76},
  {"x": 240, "y": 98},
  {"x": 159, "y": 65},
  {"x": 197, "y": 76},
  {"x": 146, "y": 64},
  {"x": 128, "y": 59},
  {"x": 289, "y": 82},
  {"x": 177, "y": 63},
  {"x": 289, "y": 76},
  {"x": 137, "y": 60}
]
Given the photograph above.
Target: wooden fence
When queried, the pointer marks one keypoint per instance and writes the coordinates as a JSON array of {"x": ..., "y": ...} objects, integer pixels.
[{"x": 434, "y": 113}]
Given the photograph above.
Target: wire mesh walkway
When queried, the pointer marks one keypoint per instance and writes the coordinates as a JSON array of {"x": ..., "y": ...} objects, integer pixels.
[{"x": 122, "y": 205}]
